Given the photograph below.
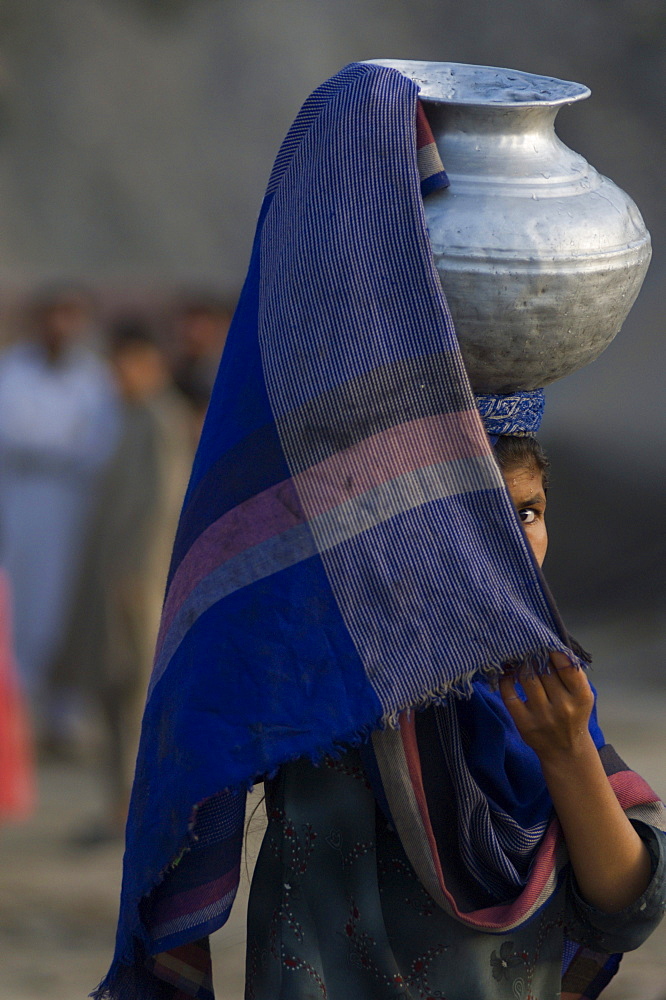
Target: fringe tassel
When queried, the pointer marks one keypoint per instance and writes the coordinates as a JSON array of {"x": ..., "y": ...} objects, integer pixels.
[
  {"x": 534, "y": 662},
  {"x": 134, "y": 982}
]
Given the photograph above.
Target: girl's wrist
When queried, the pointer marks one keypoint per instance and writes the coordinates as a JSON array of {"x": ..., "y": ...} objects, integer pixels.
[{"x": 560, "y": 759}]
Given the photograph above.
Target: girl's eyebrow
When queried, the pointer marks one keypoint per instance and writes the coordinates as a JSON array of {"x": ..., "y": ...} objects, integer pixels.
[{"x": 537, "y": 498}]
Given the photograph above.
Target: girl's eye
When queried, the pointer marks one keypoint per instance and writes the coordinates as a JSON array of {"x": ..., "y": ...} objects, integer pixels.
[{"x": 527, "y": 515}]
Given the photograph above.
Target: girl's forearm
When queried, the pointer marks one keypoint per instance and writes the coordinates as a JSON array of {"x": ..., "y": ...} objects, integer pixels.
[{"x": 610, "y": 861}]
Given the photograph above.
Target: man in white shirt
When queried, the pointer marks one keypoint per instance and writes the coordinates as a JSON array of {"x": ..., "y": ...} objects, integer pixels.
[{"x": 58, "y": 421}]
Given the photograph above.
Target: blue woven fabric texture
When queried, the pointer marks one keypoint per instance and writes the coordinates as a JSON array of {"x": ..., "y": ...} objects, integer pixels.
[{"x": 518, "y": 413}]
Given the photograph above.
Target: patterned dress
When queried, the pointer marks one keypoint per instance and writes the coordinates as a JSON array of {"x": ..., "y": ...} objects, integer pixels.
[{"x": 337, "y": 913}]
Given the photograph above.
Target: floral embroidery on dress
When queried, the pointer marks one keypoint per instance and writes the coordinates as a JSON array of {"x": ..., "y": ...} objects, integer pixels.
[
  {"x": 296, "y": 857},
  {"x": 299, "y": 849},
  {"x": 294, "y": 964},
  {"x": 359, "y": 850},
  {"x": 361, "y": 944},
  {"x": 420, "y": 971},
  {"x": 546, "y": 927},
  {"x": 507, "y": 959},
  {"x": 294, "y": 851},
  {"x": 384, "y": 935}
]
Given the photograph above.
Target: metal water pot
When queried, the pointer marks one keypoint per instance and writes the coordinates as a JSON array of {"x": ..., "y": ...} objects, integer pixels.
[{"x": 540, "y": 256}]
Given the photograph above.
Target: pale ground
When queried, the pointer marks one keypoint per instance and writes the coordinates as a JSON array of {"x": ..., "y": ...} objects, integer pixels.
[{"x": 58, "y": 904}]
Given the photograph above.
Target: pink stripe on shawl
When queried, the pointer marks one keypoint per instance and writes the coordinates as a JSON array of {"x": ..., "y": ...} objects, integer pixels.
[
  {"x": 424, "y": 136},
  {"x": 254, "y": 521},
  {"x": 388, "y": 455},
  {"x": 340, "y": 478},
  {"x": 631, "y": 789},
  {"x": 192, "y": 900},
  {"x": 505, "y": 915}
]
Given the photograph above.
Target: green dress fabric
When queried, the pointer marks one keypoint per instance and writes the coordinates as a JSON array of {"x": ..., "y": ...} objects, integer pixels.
[{"x": 337, "y": 913}]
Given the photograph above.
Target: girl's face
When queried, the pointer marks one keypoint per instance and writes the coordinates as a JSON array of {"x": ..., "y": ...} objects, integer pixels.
[{"x": 525, "y": 485}]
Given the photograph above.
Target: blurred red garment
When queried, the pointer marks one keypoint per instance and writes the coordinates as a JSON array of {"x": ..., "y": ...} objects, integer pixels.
[{"x": 17, "y": 780}]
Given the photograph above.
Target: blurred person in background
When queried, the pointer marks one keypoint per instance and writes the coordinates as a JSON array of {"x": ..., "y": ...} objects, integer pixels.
[
  {"x": 201, "y": 326},
  {"x": 109, "y": 641},
  {"x": 58, "y": 422}
]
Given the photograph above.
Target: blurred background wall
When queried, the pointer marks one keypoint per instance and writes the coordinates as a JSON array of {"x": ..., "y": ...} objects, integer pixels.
[{"x": 136, "y": 137}]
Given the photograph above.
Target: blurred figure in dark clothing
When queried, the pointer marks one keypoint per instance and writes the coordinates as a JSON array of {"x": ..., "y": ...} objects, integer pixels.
[
  {"x": 201, "y": 326},
  {"x": 110, "y": 639}
]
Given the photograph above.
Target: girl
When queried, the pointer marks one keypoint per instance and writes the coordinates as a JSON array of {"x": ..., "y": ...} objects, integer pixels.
[{"x": 347, "y": 552}]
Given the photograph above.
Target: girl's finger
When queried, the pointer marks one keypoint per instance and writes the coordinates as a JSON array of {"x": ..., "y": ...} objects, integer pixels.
[
  {"x": 555, "y": 683},
  {"x": 510, "y": 696},
  {"x": 573, "y": 678},
  {"x": 533, "y": 686}
]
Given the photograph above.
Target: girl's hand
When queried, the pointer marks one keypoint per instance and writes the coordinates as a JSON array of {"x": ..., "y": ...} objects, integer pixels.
[
  {"x": 554, "y": 719},
  {"x": 609, "y": 859}
]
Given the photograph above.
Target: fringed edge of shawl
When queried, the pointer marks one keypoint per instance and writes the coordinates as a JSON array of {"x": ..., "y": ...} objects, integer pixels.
[
  {"x": 186, "y": 974},
  {"x": 534, "y": 662},
  {"x": 126, "y": 981}
]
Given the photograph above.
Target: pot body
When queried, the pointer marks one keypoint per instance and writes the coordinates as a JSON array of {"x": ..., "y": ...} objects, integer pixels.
[{"x": 540, "y": 256}]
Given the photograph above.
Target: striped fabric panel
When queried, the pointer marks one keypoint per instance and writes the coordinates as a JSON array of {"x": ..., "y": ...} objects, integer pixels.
[
  {"x": 307, "y": 116},
  {"x": 188, "y": 969},
  {"x": 634, "y": 794},
  {"x": 652, "y": 813},
  {"x": 220, "y": 487},
  {"x": 339, "y": 480},
  {"x": 588, "y": 974},
  {"x": 199, "y": 891},
  {"x": 547, "y": 861},
  {"x": 363, "y": 281},
  {"x": 491, "y": 842},
  {"x": 346, "y": 235},
  {"x": 431, "y": 169},
  {"x": 631, "y": 788},
  {"x": 195, "y": 908},
  {"x": 400, "y": 390},
  {"x": 418, "y": 639},
  {"x": 398, "y": 760}
]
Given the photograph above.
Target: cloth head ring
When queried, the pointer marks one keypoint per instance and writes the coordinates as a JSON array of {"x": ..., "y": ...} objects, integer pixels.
[{"x": 517, "y": 414}]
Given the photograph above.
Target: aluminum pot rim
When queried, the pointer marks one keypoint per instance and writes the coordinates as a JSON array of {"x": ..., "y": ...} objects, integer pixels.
[{"x": 424, "y": 73}]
